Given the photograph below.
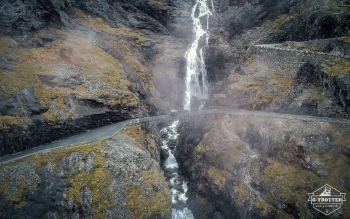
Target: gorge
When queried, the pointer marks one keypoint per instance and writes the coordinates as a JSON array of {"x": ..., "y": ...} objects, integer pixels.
[{"x": 258, "y": 93}]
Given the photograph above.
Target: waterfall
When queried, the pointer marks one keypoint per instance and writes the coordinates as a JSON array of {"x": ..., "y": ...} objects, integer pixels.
[
  {"x": 178, "y": 186},
  {"x": 196, "y": 74}
]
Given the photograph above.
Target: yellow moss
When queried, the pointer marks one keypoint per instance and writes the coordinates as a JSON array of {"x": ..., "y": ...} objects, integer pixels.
[
  {"x": 317, "y": 97},
  {"x": 139, "y": 136},
  {"x": 254, "y": 87},
  {"x": 265, "y": 207},
  {"x": 282, "y": 80},
  {"x": 20, "y": 205},
  {"x": 218, "y": 176},
  {"x": 253, "y": 90},
  {"x": 336, "y": 67},
  {"x": 292, "y": 189},
  {"x": 275, "y": 24},
  {"x": 98, "y": 182},
  {"x": 340, "y": 135},
  {"x": 142, "y": 206},
  {"x": 7, "y": 121},
  {"x": 135, "y": 134},
  {"x": 346, "y": 39},
  {"x": 100, "y": 24},
  {"x": 157, "y": 2},
  {"x": 226, "y": 153},
  {"x": 220, "y": 95},
  {"x": 53, "y": 157},
  {"x": 201, "y": 149},
  {"x": 16, "y": 197},
  {"x": 75, "y": 51},
  {"x": 53, "y": 115},
  {"x": 241, "y": 194}
]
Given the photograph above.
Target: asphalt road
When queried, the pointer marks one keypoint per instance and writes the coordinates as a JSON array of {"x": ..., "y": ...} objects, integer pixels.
[
  {"x": 111, "y": 130},
  {"x": 96, "y": 134}
]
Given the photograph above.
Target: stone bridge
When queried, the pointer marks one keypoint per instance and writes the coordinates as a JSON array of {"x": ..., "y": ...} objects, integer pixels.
[{"x": 149, "y": 122}]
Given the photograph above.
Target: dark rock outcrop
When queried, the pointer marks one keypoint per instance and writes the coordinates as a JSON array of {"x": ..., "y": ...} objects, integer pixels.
[{"x": 22, "y": 103}]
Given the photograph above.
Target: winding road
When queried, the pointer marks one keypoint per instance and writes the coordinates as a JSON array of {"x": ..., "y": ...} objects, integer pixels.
[{"x": 111, "y": 130}]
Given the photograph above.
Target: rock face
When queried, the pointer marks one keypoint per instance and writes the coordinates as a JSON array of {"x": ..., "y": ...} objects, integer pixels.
[
  {"x": 267, "y": 78},
  {"x": 71, "y": 66},
  {"x": 68, "y": 66},
  {"x": 106, "y": 179},
  {"x": 262, "y": 167}
]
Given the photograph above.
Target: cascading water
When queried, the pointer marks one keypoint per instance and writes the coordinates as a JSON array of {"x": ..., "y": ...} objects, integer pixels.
[
  {"x": 196, "y": 74},
  {"x": 176, "y": 183},
  {"x": 196, "y": 85}
]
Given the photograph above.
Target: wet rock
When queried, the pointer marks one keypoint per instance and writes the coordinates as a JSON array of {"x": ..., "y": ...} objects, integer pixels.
[
  {"x": 88, "y": 160},
  {"x": 172, "y": 143},
  {"x": 323, "y": 172},
  {"x": 319, "y": 143},
  {"x": 159, "y": 10},
  {"x": 69, "y": 164},
  {"x": 347, "y": 183},
  {"x": 170, "y": 171},
  {"x": 21, "y": 17},
  {"x": 5, "y": 64},
  {"x": 86, "y": 200},
  {"x": 22, "y": 102},
  {"x": 179, "y": 188},
  {"x": 195, "y": 103},
  {"x": 147, "y": 44},
  {"x": 314, "y": 25},
  {"x": 347, "y": 145},
  {"x": 164, "y": 135},
  {"x": 164, "y": 154},
  {"x": 71, "y": 82},
  {"x": 217, "y": 215},
  {"x": 48, "y": 36}
]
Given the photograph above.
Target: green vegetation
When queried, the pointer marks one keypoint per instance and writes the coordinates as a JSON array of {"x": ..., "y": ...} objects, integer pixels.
[
  {"x": 143, "y": 206},
  {"x": 100, "y": 24},
  {"x": 241, "y": 194},
  {"x": 98, "y": 182},
  {"x": 346, "y": 39},
  {"x": 23, "y": 188},
  {"x": 336, "y": 67},
  {"x": 17, "y": 180},
  {"x": 53, "y": 157},
  {"x": 264, "y": 207},
  {"x": 218, "y": 176},
  {"x": 7, "y": 121},
  {"x": 74, "y": 51},
  {"x": 157, "y": 3},
  {"x": 255, "y": 88},
  {"x": 139, "y": 137},
  {"x": 292, "y": 189}
]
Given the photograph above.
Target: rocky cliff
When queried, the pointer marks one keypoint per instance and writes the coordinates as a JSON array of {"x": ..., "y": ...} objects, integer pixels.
[
  {"x": 71, "y": 66},
  {"x": 68, "y": 66},
  {"x": 303, "y": 77},
  {"x": 116, "y": 178},
  {"x": 262, "y": 167}
]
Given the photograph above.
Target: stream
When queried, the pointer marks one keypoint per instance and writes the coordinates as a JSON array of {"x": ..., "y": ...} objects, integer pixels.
[{"x": 177, "y": 185}]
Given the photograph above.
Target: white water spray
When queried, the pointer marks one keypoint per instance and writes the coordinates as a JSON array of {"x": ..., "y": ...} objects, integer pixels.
[
  {"x": 196, "y": 74},
  {"x": 177, "y": 184}
]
